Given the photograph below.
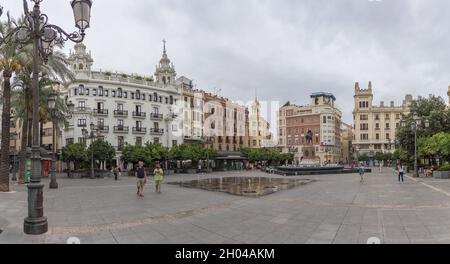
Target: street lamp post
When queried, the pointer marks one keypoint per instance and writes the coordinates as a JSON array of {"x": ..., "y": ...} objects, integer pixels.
[
  {"x": 52, "y": 107},
  {"x": 417, "y": 121},
  {"x": 44, "y": 37},
  {"x": 14, "y": 137},
  {"x": 92, "y": 136}
]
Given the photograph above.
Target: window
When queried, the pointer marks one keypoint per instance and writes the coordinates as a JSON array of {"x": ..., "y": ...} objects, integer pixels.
[
  {"x": 364, "y": 127},
  {"x": 174, "y": 143},
  {"x": 138, "y": 95},
  {"x": 75, "y": 91},
  {"x": 120, "y": 107},
  {"x": 156, "y": 125},
  {"x": 377, "y": 117},
  {"x": 120, "y": 142},
  {"x": 167, "y": 100},
  {"x": 388, "y": 126},
  {"x": 156, "y": 140},
  {"x": 143, "y": 97},
  {"x": 171, "y": 99},
  {"x": 81, "y": 89},
  {"x": 69, "y": 141},
  {"x": 87, "y": 91},
  {"x": 81, "y": 105},
  {"x": 155, "y": 96},
  {"x": 125, "y": 95},
  {"x": 160, "y": 99},
  {"x": 119, "y": 93},
  {"x": 155, "y": 110},
  {"x": 132, "y": 96},
  {"x": 388, "y": 136},
  {"x": 377, "y": 136},
  {"x": 174, "y": 128},
  {"x": 100, "y": 105},
  {"x": 120, "y": 122},
  {"x": 81, "y": 122},
  {"x": 364, "y": 117},
  {"x": 100, "y": 91},
  {"x": 138, "y": 141},
  {"x": 113, "y": 93},
  {"x": 138, "y": 124},
  {"x": 324, "y": 120},
  {"x": 364, "y": 137},
  {"x": 150, "y": 97},
  {"x": 106, "y": 93},
  {"x": 101, "y": 123},
  {"x": 94, "y": 92}
]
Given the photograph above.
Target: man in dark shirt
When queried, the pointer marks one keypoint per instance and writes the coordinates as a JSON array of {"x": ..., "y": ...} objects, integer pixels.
[{"x": 141, "y": 177}]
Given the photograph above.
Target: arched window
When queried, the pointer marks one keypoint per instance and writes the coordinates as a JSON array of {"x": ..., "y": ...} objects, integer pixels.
[
  {"x": 81, "y": 89},
  {"x": 100, "y": 91},
  {"x": 80, "y": 66},
  {"x": 164, "y": 79},
  {"x": 119, "y": 92}
]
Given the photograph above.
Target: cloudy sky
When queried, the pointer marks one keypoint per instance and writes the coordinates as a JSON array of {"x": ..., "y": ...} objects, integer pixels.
[{"x": 283, "y": 49}]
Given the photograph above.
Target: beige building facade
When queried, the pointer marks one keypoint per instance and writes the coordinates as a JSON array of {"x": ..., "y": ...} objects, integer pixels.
[{"x": 375, "y": 125}]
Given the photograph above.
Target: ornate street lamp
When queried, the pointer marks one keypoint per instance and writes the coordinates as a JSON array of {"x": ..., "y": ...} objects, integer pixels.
[
  {"x": 44, "y": 37},
  {"x": 417, "y": 121},
  {"x": 14, "y": 137},
  {"x": 52, "y": 107}
]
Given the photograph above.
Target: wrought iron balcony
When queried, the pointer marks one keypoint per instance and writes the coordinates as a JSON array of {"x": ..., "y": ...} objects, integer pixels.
[
  {"x": 101, "y": 112},
  {"x": 139, "y": 130},
  {"x": 156, "y": 131},
  {"x": 121, "y": 129},
  {"x": 120, "y": 113},
  {"x": 154, "y": 116},
  {"x": 139, "y": 114},
  {"x": 103, "y": 129}
]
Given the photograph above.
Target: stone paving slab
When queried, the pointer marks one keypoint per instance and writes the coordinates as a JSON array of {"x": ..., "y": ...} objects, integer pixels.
[{"x": 334, "y": 209}]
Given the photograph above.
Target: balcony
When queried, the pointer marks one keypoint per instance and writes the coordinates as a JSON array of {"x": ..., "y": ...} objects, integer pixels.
[
  {"x": 103, "y": 129},
  {"x": 154, "y": 116},
  {"x": 82, "y": 125},
  {"x": 121, "y": 129},
  {"x": 156, "y": 131},
  {"x": 101, "y": 112},
  {"x": 120, "y": 113},
  {"x": 139, "y": 114},
  {"x": 139, "y": 130}
]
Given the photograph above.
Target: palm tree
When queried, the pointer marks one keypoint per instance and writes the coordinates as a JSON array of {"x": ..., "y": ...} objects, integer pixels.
[
  {"x": 56, "y": 69},
  {"x": 10, "y": 58}
]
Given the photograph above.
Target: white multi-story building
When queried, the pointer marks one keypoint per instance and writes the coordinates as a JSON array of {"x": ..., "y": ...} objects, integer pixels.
[{"x": 124, "y": 109}]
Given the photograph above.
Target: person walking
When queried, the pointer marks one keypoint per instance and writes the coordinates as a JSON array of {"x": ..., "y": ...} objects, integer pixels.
[
  {"x": 158, "y": 172},
  {"x": 401, "y": 173},
  {"x": 115, "y": 172},
  {"x": 361, "y": 171},
  {"x": 141, "y": 176},
  {"x": 381, "y": 166}
]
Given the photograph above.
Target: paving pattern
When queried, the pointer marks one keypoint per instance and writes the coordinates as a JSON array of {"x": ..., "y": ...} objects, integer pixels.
[{"x": 332, "y": 209}]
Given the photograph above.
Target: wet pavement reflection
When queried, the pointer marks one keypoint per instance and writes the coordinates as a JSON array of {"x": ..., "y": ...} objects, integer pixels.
[{"x": 244, "y": 186}]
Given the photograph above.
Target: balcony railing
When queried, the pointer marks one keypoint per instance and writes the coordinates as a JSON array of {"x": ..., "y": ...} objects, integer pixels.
[
  {"x": 139, "y": 130},
  {"x": 82, "y": 125},
  {"x": 103, "y": 129},
  {"x": 156, "y": 131},
  {"x": 101, "y": 112},
  {"x": 139, "y": 114},
  {"x": 154, "y": 116},
  {"x": 120, "y": 113},
  {"x": 121, "y": 129}
]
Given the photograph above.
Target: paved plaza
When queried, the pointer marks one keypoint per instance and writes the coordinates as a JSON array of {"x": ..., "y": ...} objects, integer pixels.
[{"x": 333, "y": 209}]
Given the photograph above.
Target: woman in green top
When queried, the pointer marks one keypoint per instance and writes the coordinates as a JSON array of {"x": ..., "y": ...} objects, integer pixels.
[{"x": 158, "y": 177}]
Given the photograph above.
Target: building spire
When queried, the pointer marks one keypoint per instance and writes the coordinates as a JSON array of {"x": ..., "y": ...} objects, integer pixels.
[{"x": 164, "y": 43}]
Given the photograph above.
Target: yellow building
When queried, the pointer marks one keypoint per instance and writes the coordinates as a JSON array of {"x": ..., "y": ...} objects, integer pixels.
[{"x": 375, "y": 125}]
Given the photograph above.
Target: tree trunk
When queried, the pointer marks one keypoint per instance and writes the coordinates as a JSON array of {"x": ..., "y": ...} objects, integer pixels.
[{"x": 5, "y": 160}]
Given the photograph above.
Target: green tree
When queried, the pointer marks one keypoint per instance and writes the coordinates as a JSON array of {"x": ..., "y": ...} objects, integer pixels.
[
  {"x": 433, "y": 109},
  {"x": 75, "y": 153},
  {"x": 103, "y": 150},
  {"x": 10, "y": 63},
  {"x": 134, "y": 154}
]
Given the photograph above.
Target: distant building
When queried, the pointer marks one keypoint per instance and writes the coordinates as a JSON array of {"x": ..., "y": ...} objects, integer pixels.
[
  {"x": 259, "y": 128},
  {"x": 375, "y": 126},
  {"x": 312, "y": 132},
  {"x": 346, "y": 143}
]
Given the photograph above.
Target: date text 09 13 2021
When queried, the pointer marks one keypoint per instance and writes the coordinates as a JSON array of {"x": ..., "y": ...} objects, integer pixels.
[{"x": 226, "y": 254}]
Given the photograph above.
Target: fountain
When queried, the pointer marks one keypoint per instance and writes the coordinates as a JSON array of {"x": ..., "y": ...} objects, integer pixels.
[{"x": 313, "y": 167}]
